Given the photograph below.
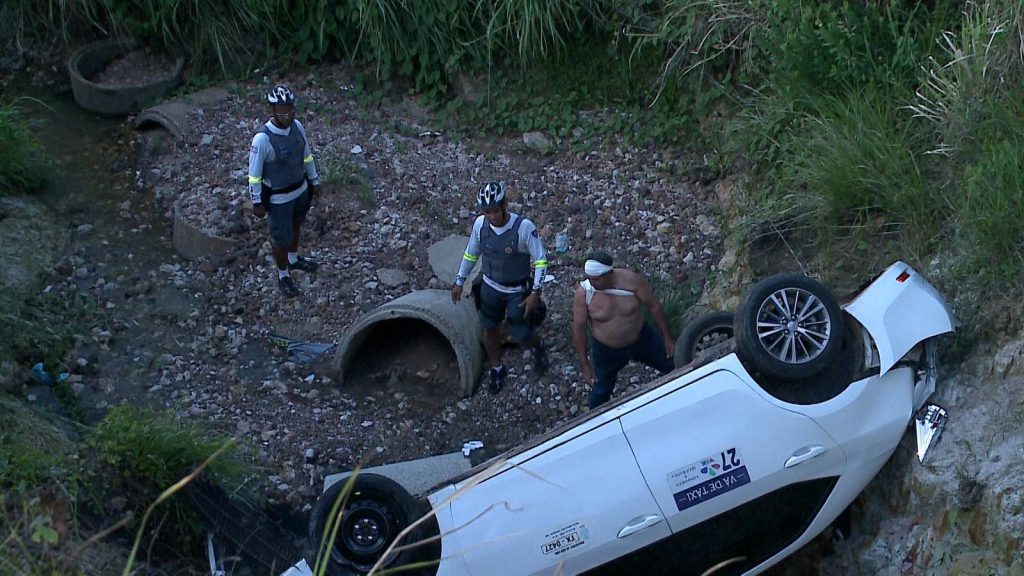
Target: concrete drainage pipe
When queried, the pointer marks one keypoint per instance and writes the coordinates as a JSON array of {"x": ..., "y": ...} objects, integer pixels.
[
  {"x": 110, "y": 99},
  {"x": 458, "y": 324}
]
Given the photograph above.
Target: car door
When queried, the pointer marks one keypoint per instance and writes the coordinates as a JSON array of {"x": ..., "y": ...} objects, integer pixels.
[
  {"x": 570, "y": 504},
  {"x": 720, "y": 453}
]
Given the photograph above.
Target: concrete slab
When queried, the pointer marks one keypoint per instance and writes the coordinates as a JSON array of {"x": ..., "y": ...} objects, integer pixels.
[
  {"x": 445, "y": 257},
  {"x": 416, "y": 476}
]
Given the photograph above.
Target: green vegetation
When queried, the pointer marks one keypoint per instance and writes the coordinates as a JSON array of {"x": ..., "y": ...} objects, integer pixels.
[
  {"x": 42, "y": 327},
  {"x": 344, "y": 174},
  {"x": 21, "y": 158},
  {"x": 61, "y": 496}
]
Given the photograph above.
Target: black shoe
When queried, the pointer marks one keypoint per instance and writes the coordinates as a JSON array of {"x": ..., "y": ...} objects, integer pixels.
[
  {"x": 304, "y": 265},
  {"x": 540, "y": 359},
  {"x": 287, "y": 286},
  {"x": 496, "y": 379}
]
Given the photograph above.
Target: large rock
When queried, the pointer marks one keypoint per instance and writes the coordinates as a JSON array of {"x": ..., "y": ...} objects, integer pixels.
[{"x": 538, "y": 141}]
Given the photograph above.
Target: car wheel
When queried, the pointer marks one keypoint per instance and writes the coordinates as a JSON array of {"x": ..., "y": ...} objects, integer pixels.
[
  {"x": 703, "y": 333},
  {"x": 788, "y": 326},
  {"x": 372, "y": 514}
]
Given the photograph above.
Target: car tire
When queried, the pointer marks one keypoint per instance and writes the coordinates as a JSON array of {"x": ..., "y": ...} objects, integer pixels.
[
  {"x": 374, "y": 511},
  {"x": 788, "y": 326},
  {"x": 702, "y": 333}
]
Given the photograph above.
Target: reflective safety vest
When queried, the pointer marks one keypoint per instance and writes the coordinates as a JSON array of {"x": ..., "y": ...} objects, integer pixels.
[
  {"x": 286, "y": 172},
  {"x": 503, "y": 262}
]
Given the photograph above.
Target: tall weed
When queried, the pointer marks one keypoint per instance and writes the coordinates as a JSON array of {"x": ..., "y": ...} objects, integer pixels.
[
  {"x": 856, "y": 159},
  {"x": 22, "y": 160},
  {"x": 703, "y": 36},
  {"x": 978, "y": 73},
  {"x": 531, "y": 29},
  {"x": 146, "y": 451},
  {"x": 968, "y": 104},
  {"x": 988, "y": 223}
]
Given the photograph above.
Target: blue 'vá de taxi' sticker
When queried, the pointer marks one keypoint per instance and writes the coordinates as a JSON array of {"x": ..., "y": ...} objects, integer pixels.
[{"x": 707, "y": 478}]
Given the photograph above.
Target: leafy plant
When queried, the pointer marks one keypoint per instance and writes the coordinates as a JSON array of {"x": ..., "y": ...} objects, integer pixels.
[
  {"x": 836, "y": 46},
  {"x": 146, "y": 452}
]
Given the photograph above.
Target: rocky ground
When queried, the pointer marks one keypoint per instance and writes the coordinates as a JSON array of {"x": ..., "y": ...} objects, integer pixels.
[{"x": 194, "y": 336}]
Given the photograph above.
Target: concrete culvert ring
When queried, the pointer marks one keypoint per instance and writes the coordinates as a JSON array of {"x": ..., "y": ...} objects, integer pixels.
[
  {"x": 112, "y": 99},
  {"x": 193, "y": 242},
  {"x": 420, "y": 343}
]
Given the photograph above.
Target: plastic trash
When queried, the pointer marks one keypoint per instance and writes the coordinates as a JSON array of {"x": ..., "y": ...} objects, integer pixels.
[
  {"x": 562, "y": 242},
  {"x": 468, "y": 447},
  {"x": 40, "y": 375},
  {"x": 301, "y": 568},
  {"x": 302, "y": 352}
]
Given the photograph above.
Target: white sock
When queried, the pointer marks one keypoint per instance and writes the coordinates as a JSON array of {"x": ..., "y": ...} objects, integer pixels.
[
  {"x": 293, "y": 257},
  {"x": 283, "y": 274}
]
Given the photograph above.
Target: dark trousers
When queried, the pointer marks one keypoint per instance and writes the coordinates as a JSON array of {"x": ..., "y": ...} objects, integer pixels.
[{"x": 649, "y": 349}]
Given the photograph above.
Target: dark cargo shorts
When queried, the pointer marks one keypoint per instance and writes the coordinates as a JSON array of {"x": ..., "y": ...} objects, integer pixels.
[
  {"x": 285, "y": 218},
  {"x": 496, "y": 306}
]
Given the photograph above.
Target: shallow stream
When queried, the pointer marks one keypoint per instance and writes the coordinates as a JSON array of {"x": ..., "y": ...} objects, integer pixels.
[{"x": 119, "y": 240}]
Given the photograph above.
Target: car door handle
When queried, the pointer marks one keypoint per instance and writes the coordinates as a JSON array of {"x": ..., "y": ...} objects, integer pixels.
[
  {"x": 804, "y": 454},
  {"x": 639, "y": 523}
]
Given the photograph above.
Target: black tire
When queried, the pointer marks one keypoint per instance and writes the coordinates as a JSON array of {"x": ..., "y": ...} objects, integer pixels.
[
  {"x": 373, "y": 513},
  {"x": 700, "y": 334},
  {"x": 788, "y": 327}
]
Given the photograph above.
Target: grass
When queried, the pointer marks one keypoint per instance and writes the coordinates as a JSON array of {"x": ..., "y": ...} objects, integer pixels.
[
  {"x": 22, "y": 161},
  {"x": 54, "y": 489},
  {"x": 879, "y": 171},
  {"x": 345, "y": 174},
  {"x": 41, "y": 327},
  {"x": 676, "y": 300}
]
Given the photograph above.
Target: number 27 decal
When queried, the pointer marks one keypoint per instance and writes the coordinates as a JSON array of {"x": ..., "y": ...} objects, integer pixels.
[{"x": 729, "y": 459}]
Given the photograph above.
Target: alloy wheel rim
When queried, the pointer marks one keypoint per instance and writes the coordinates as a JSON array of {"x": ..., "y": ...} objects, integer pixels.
[{"x": 793, "y": 325}]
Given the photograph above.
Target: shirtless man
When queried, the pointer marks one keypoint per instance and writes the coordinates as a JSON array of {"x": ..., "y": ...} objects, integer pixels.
[{"x": 610, "y": 300}]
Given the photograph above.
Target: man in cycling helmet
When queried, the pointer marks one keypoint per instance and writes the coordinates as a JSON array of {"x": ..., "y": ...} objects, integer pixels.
[
  {"x": 282, "y": 183},
  {"x": 513, "y": 273}
]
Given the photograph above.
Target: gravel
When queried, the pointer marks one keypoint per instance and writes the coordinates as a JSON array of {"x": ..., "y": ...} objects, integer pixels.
[{"x": 194, "y": 336}]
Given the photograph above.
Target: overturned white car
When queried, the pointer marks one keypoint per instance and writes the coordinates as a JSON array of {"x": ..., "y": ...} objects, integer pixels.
[{"x": 734, "y": 460}]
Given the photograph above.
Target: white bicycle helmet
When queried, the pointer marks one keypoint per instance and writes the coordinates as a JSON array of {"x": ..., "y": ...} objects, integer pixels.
[
  {"x": 281, "y": 95},
  {"x": 490, "y": 195}
]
